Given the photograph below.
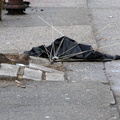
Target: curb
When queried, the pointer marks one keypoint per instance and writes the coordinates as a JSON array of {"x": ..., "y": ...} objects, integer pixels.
[{"x": 33, "y": 71}]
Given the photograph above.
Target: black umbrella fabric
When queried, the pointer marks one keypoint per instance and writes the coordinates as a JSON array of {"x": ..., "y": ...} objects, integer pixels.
[{"x": 67, "y": 49}]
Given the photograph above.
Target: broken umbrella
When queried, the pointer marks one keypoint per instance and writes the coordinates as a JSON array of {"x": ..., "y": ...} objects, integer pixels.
[{"x": 67, "y": 49}]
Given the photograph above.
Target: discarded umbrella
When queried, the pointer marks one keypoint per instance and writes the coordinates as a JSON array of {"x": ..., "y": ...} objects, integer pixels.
[{"x": 67, "y": 49}]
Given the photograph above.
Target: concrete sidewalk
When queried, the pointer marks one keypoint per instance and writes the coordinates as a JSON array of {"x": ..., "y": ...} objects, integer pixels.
[
  {"x": 85, "y": 95},
  {"x": 105, "y": 14}
]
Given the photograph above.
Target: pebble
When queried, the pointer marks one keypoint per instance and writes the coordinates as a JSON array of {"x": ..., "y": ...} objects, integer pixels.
[
  {"x": 113, "y": 118},
  {"x": 110, "y": 16},
  {"x": 47, "y": 117},
  {"x": 18, "y": 95},
  {"x": 74, "y": 81},
  {"x": 67, "y": 98},
  {"x": 87, "y": 90},
  {"x": 8, "y": 43},
  {"x": 21, "y": 65}
]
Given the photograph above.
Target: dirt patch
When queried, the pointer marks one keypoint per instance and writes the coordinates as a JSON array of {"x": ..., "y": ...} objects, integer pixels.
[
  {"x": 4, "y": 59},
  {"x": 24, "y": 59},
  {"x": 14, "y": 58},
  {"x": 57, "y": 67}
]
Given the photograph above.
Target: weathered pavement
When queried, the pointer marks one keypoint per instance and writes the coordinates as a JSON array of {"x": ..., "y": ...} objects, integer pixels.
[
  {"x": 105, "y": 19},
  {"x": 85, "y": 95}
]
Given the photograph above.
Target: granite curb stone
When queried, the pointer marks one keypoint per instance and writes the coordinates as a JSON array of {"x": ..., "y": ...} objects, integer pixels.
[
  {"x": 42, "y": 68},
  {"x": 32, "y": 74},
  {"x": 32, "y": 71},
  {"x": 8, "y": 70},
  {"x": 50, "y": 74}
]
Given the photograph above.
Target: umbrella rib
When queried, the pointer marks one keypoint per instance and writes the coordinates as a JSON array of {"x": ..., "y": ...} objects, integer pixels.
[
  {"x": 40, "y": 54},
  {"x": 74, "y": 54},
  {"x": 53, "y": 46},
  {"x": 53, "y": 42},
  {"x": 52, "y": 50},
  {"x": 68, "y": 50},
  {"x": 50, "y": 25},
  {"x": 59, "y": 46},
  {"x": 75, "y": 60},
  {"x": 86, "y": 32},
  {"x": 47, "y": 52}
]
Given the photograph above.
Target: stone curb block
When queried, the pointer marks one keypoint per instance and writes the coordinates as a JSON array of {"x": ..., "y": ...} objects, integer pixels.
[
  {"x": 50, "y": 74},
  {"x": 8, "y": 70},
  {"x": 32, "y": 74},
  {"x": 40, "y": 67}
]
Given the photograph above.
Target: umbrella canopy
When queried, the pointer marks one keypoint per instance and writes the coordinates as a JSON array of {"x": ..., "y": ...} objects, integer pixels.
[{"x": 67, "y": 49}]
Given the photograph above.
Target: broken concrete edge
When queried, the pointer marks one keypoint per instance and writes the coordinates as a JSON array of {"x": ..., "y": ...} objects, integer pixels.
[
  {"x": 112, "y": 72},
  {"x": 9, "y": 71}
]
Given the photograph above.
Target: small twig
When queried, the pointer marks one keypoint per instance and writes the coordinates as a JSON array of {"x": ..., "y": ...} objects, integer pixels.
[{"x": 20, "y": 84}]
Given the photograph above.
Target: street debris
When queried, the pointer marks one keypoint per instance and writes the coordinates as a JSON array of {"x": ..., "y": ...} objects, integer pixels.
[
  {"x": 47, "y": 117},
  {"x": 21, "y": 65},
  {"x": 20, "y": 84},
  {"x": 110, "y": 16},
  {"x": 65, "y": 49},
  {"x": 67, "y": 98},
  {"x": 73, "y": 81},
  {"x": 42, "y": 10}
]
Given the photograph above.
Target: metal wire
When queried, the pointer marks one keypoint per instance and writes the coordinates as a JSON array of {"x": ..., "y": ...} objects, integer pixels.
[
  {"x": 68, "y": 50},
  {"x": 71, "y": 55},
  {"x": 50, "y": 25},
  {"x": 75, "y": 60},
  {"x": 47, "y": 52},
  {"x": 59, "y": 46},
  {"x": 74, "y": 54},
  {"x": 53, "y": 46},
  {"x": 83, "y": 37}
]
